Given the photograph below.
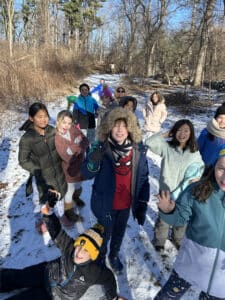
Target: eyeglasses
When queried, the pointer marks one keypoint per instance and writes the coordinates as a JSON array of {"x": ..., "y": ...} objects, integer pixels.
[{"x": 120, "y": 91}]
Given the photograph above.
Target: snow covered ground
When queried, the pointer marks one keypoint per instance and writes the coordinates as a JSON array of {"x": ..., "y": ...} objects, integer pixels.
[{"x": 22, "y": 246}]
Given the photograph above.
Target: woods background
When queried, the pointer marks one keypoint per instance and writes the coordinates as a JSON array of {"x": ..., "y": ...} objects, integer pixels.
[{"x": 47, "y": 46}]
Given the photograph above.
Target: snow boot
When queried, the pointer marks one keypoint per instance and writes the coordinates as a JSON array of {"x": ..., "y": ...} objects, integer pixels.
[
  {"x": 115, "y": 263},
  {"x": 70, "y": 213},
  {"x": 76, "y": 197}
]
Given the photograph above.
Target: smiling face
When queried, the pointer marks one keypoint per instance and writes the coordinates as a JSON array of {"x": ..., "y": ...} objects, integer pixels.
[
  {"x": 64, "y": 125},
  {"x": 220, "y": 172},
  {"x": 183, "y": 134},
  {"x": 40, "y": 120},
  {"x": 221, "y": 121},
  {"x": 81, "y": 255},
  {"x": 119, "y": 132}
]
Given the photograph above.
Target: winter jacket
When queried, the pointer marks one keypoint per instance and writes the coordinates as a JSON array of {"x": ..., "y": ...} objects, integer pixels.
[
  {"x": 193, "y": 171},
  {"x": 201, "y": 259},
  {"x": 154, "y": 116},
  {"x": 38, "y": 155},
  {"x": 74, "y": 279},
  {"x": 104, "y": 183},
  {"x": 209, "y": 148},
  {"x": 174, "y": 161},
  {"x": 84, "y": 110},
  {"x": 72, "y": 153}
]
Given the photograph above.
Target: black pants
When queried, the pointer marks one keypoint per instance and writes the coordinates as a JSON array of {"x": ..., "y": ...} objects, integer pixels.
[
  {"x": 115, "y": 228},
  {"x": 33, "y": 278},
  {"x": 176, "y": 287}
]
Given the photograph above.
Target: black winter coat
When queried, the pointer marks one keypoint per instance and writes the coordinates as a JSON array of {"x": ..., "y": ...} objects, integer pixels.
[
  {"x": 38, "y": 155},
  {"x": 78, "y": 278}
]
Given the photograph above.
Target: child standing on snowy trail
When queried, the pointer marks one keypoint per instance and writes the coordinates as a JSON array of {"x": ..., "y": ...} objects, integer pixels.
[
  {"x": 67, "y": 277},
  {"x": 181, "y": 164},
  {"x": 106, "y": 94},
  {"x": 71, "y": 146},
  {"x": 38, "y": 155},
  {"x": 212, "y": 139},
  {"x": 200, "y": 260},
  {"x": 84, "y": 111},
  {"x": 154, "y": 113},
  {"x": 117, "y": 161},
  {"x": 98, "y": 88}
]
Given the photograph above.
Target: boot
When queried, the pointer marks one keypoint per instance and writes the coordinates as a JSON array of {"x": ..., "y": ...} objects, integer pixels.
[
  {"x": 70, "y": 213},
  {"x": 76, "y": 197}
]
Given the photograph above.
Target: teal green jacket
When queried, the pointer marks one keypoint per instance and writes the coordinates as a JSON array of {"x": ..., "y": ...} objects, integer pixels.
[{"x": 201, "y": 259}]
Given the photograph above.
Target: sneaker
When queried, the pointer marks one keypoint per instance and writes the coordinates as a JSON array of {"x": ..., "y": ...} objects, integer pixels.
[
  {"x": 115, "y": 263},
  {"x": 65, "y": 221}
]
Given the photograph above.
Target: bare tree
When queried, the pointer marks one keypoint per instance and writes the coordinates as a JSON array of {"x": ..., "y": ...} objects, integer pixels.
[
  {"x": 8, "y": 16},
  {"x": 206, "y": 24}
]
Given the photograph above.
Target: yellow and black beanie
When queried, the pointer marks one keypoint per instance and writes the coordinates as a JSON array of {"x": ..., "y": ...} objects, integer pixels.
[{"x": 91, "y": 240}]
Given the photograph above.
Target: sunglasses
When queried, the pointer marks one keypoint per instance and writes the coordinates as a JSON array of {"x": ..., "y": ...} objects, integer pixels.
[{"x": 120, "y": 91}]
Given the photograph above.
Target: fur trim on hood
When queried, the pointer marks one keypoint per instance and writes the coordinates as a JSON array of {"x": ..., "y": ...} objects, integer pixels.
[{"x": 134, "y": 130}]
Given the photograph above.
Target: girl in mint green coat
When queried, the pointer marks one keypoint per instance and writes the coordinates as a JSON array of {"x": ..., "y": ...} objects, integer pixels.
[{"x": 181, "y": 165}]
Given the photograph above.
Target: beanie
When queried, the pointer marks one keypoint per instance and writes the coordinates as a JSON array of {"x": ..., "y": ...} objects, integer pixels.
[
  {"x": 91, "y": 240},
  {"x": 220, "y": 111}
]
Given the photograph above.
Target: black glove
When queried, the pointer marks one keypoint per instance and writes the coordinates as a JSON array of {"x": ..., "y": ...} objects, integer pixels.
[
  {"x": 52, "y": 198},
  {"x": 96, "y": 152},
  {"x": 141, "y": 212}
]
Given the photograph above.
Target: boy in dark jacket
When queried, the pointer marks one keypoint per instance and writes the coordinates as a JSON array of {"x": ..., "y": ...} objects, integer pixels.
[{"x": 69, "y": 276}]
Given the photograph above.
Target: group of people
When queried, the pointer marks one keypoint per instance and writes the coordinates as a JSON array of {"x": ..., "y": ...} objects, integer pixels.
[{"x": 191, "y": 194}]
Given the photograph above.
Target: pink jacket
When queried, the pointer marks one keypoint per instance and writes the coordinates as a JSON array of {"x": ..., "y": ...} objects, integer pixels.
[
  {"x": 154, "y": 116},
  {"x": 72, "y": 153}
]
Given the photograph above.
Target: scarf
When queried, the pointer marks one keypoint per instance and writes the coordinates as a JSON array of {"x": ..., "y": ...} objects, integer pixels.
[
  {"x": 119, "y": 151},
  {"x": 215, "y": 130}
]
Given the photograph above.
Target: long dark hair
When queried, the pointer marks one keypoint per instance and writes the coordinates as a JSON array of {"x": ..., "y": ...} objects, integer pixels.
[
  {"x": 191, "y": 143},
  {"x": 33, "y": 110},
  {"x": 204, "y": 188}
]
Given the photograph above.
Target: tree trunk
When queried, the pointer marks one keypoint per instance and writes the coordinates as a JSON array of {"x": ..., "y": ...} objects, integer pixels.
[{"x": 204, "y": 38}]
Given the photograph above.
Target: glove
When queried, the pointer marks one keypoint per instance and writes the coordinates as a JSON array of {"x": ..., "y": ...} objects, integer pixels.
[
  {"x": 52, "y": 198},
  {"x": 141, "y": 212},
  {"x": 96, "y": 152}
]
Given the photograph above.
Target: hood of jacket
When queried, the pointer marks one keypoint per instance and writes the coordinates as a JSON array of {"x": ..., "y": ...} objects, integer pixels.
[{"x": 120, "y": 113}]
